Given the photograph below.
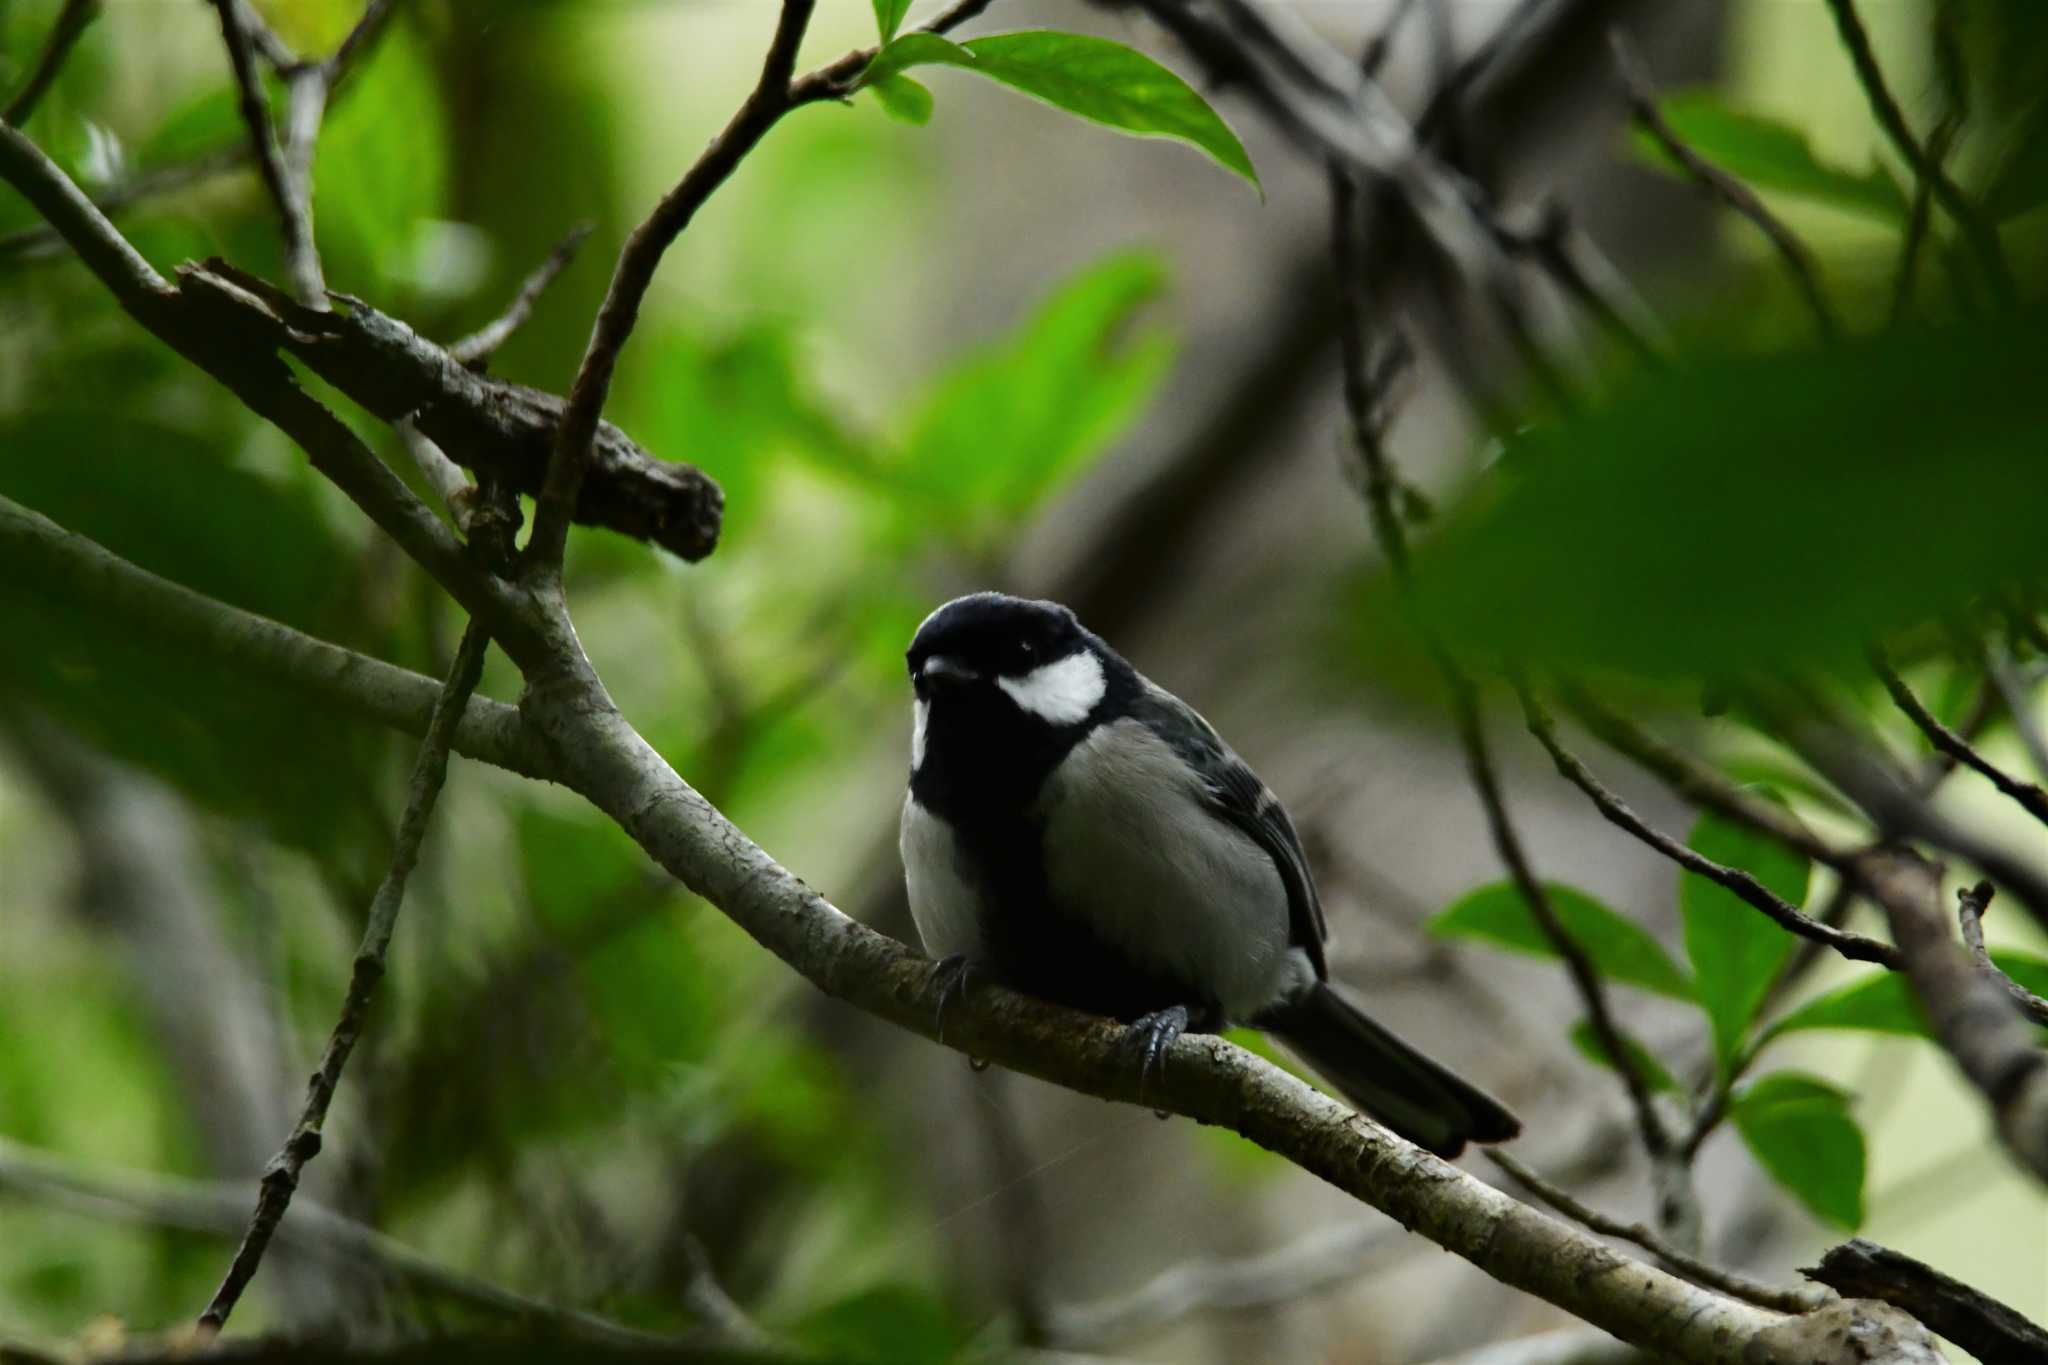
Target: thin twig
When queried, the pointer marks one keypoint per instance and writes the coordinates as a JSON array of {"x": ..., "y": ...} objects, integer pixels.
[
  {"x": 300, "y": 258},
  {"x": 1642, "y": 97},
  {"x": 1998, "y": 667},
  {"x": 1783, "y": 1300},
  {"x": 143, "y": 185},
  {"x": 72, "y": 22},
  {"x": 281, "y": 1176},
  {"x": 1977, "y": 230},
  {"x": 1971, "y": 902},
  {"x": 770, "y": 100},
  {"x": 1855, "y": 947},
  {"x": 479, "y": 346},
  {"x": 2029, "y": 796},
  {"x": 1587, "y": 277}
]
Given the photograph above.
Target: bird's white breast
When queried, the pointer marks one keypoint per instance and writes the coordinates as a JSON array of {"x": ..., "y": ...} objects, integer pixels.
[
  {"x": 943, "y": 900},
  {"x": 1132, "y": 851}
]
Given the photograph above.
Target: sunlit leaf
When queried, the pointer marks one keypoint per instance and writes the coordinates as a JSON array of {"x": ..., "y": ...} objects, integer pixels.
[
  {"x": 1799, "y": 1129},
  {"x": 1653, "y": 1072},
  {"x": 1617, "y": 946},
  {"x": 1724, "y": 516},
  {"x": 889, "y": 17},
  {"x": 1734, "y": 948},
  {"x": 1882, "y": 1002},
  {"x": 903, "y": 98},
  {"x": 1768, "y": 155},
  {"x": 1094, "y": 78}
]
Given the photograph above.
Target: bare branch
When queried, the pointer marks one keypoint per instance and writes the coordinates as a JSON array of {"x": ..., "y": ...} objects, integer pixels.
[
  {"x": 72, "y": 22},
  {"x": 1977, "y": 230},
  {"x": 480, "y": 345},
  {"x": 1855, "y": 947},
  {"x": 1969, "y": 1014},
  {"x": 69, "y": 568},
  {"x": 638, "y": 260},
  {"x": 1998, "y": 667},
  {"x": 1692, "y": 1267},
  {"x": 281, "y": 1176},
  {"x": 302, "y": 261},
  {"x": 1947, "y": 741},
  {"x": 1731, "y": 191},
  {"x": 1970, "y": 906},
  {"x": 1980, "y": 1324}
]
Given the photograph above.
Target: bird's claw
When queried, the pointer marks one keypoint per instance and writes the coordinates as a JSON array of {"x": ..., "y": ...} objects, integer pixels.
[
  {"x": 952, "y": 978},
  {"x": 1148, "y": 1038}
]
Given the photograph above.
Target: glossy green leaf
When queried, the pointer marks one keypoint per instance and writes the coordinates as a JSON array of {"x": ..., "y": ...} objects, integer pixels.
[
  {"x": 1653, "y": 1072},
  {"x": 1617, "y": 946},
  {"x": 1734, "y": 949},
  {"x": 1093, "y": 78},
  {"x": 1768, "y": 155},
  {"x": 903, "y": 98},
  {"x": 889, "y": 17},
  {"x": 1718, "y": 517},
  {"x": 1882, "y": 1002},
  {"x": 1007, "y": 427},
  {"x": 1799, "y": 1129}
]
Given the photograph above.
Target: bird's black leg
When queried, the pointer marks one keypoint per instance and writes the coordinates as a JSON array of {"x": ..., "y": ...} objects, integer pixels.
[{"x": 952, "y": 978}]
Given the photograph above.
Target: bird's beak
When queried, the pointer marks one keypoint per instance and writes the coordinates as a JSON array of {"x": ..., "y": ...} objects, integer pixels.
[{"x": 944, "y": 668}]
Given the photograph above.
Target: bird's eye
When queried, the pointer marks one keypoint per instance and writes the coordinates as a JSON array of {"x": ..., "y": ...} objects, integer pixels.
[{"x": 1024, "y": 652}]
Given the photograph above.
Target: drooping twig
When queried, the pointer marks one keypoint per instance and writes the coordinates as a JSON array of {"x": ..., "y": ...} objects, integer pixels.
[
  {"x": 2029, "y": 796},
  {"x": 1977, "y": 230},
  {"x": 281, "y": 1176},
  {"x": 1980, "y": 1324},
  {"x": 1642, "y": 96},
  {"x": 479, "y": 346},
  {"x": 1971, "y": 902},
  {"x": 1855, "y": 947},
  {"x": 72, "y": 22},
  {"x": 1784, "y": 1300}
]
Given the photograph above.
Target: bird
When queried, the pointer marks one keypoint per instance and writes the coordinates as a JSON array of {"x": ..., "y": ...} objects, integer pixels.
[{"x": 1076, "y": 832}]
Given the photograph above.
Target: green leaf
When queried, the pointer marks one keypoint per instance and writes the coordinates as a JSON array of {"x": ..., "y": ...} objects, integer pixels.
[
  {"x": 1734, "y": 949},
  {"x": 887, "y": 1326},
  {"x": 1653, "y": 1072},
  {"x": 382, "y": 163},
  {"x": 1768, "y": 155},
  {"x": 1882, "y": 1002},
  {"x": 1009, "y": 426},
  {"x": 1617, "y": 946},
  {"x": 889, "y": 17},
  {"x": 1093, "y": 78},
  {"x": 1715, "y": 518},
  {"x": 1799, "y": 1129},
  {"x": 903, "y": 98},
  {"x": 571, "y": 863}
]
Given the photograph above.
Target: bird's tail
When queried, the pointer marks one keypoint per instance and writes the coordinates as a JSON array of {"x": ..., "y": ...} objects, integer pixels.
[{"x": 1386, "y": 1078}]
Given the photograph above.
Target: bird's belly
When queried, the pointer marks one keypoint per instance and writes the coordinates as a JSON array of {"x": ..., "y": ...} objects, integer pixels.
[
  {"x": 1132, "y": 853},
  {"x": 945, "y": 900}
]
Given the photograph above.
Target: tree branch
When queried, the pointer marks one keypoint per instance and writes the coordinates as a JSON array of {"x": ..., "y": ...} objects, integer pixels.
[
  {"x": 1980, "y": 1324},
  {"x": 1855, "y": 947},
  {"x": 638, "y": 259},
  {"x": 1970, "y": 906},
  {"x": 302, "y": 261},
  {"x": 70, "y": 568},
  {"x": 1692, "y": 1267},
  {"x": 479, "y": 346},
  {"x": 72, "y": 22},
  {"x": 1946, "y": 741},
  {"x": 1642, "y": 98}
]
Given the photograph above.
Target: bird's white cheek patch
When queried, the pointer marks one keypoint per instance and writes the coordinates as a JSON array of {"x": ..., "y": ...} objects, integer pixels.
[
  {"x": 1063, "y": 691},
  {"x": 923, "y": 716}
]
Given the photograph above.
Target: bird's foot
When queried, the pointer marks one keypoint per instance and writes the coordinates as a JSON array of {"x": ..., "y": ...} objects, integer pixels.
[
  {"x": 1146, "y": 1039},
  {"x": 951, "y": 979}
]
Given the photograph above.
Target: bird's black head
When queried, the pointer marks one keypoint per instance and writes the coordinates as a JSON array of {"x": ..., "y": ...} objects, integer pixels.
[{"x": 1004, "y": 686}]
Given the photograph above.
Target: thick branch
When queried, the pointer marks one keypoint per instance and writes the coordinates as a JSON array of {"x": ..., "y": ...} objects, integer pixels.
[
  {"x": 1971, "y": 1017},
  {"x": 281, "y": 1176},
  {"x": 1978, "y": 1323},
  {"x": 69, "y": 568},
  {"x": 72, "y": 22}
]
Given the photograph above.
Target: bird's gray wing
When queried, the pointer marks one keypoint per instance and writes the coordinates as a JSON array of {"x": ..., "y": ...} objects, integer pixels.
[{"x": 1235, "y": 793}]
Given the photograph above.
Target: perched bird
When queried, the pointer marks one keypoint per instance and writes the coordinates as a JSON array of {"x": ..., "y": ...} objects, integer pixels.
[{"x": 1080, "y": 834}]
